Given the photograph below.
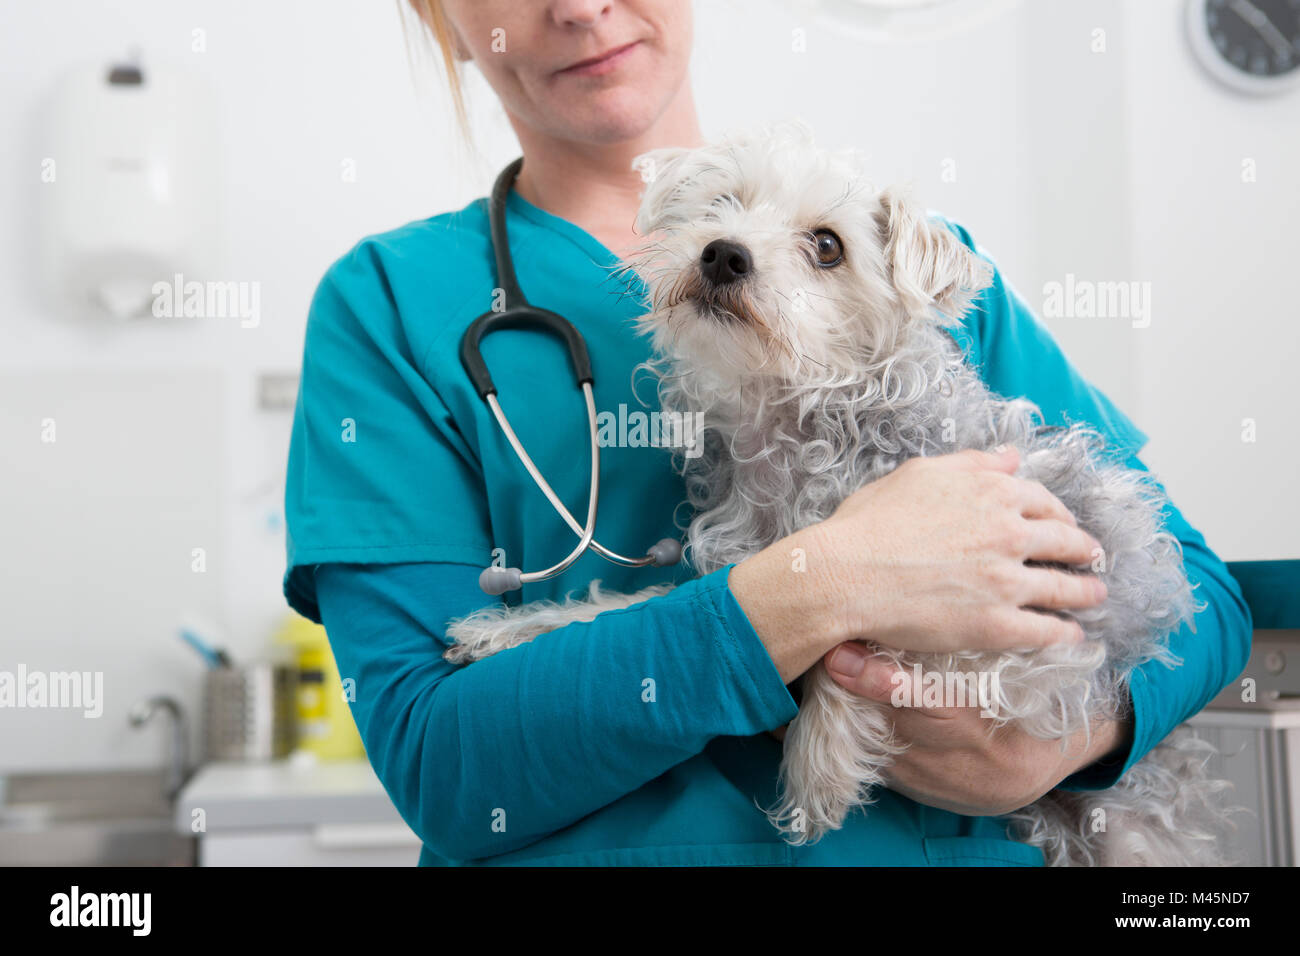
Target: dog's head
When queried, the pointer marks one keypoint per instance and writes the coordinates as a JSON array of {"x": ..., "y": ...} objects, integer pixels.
[{"x": 769, "y": 257}]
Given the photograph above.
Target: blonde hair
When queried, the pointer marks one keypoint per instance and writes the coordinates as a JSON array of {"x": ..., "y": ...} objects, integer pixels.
[{"x": 433, "y": 18}]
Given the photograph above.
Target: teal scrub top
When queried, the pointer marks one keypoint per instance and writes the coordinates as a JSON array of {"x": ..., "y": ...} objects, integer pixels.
[{"x": 394, "y": 460}]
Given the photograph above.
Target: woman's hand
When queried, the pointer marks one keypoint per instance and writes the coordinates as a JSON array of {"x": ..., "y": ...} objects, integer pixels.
[
  {"x": 929, "y": 558},
  {"x": 932, "y": 557},
  {"x": 953, "y": 761}
]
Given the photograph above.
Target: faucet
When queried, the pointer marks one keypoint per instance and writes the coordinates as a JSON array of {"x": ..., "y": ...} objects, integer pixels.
[{"x": 178, "y": 769}]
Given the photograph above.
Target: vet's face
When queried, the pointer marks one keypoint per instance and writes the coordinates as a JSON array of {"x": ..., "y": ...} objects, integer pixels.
[
  {"x": 774, "y": 259},
  {"x": 531, "y": 51}
]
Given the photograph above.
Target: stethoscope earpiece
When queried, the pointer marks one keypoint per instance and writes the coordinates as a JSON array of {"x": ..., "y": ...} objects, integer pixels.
[{"x": 518, "y": 314}]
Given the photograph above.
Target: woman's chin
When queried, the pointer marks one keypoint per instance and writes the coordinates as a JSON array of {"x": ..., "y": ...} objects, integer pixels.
[{"x": 612, "y": 115}]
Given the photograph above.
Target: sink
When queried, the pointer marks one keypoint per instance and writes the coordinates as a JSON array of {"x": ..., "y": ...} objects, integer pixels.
[{"x": 109, "y": 818}]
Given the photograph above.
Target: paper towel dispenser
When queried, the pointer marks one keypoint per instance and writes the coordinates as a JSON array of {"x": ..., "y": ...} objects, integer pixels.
[{"x": 130, "y": 186}]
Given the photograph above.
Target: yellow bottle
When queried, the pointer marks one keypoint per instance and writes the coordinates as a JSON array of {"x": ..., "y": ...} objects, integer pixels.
[{"x": 325, "y": 724}]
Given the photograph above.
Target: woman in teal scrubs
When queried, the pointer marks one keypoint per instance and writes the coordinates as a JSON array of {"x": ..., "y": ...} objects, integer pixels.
[{"x": 650, "y": 735}]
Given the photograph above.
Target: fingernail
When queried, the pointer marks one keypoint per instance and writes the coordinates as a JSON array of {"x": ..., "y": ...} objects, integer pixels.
[
  {"x": 999, "y": 449},
  {"x": 1099, "y": 587},
  {"x": 848, "y": 660}
]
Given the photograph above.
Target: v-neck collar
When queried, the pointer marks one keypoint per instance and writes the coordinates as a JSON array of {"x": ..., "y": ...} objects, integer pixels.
[
  {"x": 574, "y": 233},
  {"x": 595, "y": 250}
]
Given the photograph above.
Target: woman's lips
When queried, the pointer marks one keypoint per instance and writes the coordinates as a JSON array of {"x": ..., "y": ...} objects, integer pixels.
[{"x": 602, "y": 64}]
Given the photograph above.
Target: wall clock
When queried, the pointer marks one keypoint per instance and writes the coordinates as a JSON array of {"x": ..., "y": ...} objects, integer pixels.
[{"x": 1252, "y": 46}]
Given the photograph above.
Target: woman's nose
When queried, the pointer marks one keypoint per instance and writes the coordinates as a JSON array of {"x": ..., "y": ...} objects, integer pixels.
[{"x": 583, "y": 13}]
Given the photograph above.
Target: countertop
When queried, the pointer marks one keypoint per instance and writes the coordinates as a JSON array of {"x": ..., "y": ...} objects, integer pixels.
[{"x": 285, "y": 794}]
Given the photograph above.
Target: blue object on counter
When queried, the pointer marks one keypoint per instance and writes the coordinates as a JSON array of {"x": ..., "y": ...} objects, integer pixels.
[
  {"x": 1271, "y": 590},
  {"x": 213, "y": 657}
]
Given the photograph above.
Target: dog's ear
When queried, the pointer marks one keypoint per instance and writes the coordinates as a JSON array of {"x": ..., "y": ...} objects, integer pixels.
[
  {"x": 659, "y": 171},
  {"x": 929, "y": 266}
]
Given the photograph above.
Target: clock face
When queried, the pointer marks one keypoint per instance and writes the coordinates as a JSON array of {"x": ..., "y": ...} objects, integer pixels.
[{"x": 1260, "y": 38}]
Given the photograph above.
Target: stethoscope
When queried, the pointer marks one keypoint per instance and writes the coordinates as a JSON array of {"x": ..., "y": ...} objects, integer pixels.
[{"x": 518, "y": 314}]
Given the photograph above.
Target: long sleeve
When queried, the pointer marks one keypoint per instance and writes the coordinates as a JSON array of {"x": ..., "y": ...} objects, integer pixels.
[
  {"x": 489, "y": 757},
  {"x": 1018, "y": 357}
]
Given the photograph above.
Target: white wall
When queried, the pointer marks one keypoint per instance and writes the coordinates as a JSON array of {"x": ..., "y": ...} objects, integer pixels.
[
  {"x": 1221, "y": 254},
  {"x": 301, "y": 88},
  {"x": 1111, "y": 166}
]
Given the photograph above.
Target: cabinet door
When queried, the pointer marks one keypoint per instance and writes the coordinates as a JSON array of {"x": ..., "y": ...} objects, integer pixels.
[{"x": 1263, "y": 765}]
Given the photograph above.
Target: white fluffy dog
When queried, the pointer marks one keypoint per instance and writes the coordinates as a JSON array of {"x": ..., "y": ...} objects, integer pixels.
[{"x": 803, "y": 313}]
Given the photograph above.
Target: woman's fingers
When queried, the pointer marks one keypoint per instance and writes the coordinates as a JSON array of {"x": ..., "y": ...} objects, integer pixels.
[
  {"x": 1007, "y": 628},
  {"x": 1006, "y": 459},
  {"x": 1037, "y": 502},
  {"x": 883, "y": 681},
  {"x": 1055, "y": 590},
  {"x": 857, "y": 668},
  {"x": 1050, "y": 540}
]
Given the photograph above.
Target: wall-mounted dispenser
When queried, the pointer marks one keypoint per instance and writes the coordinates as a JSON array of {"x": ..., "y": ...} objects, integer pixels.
[{"x": 130, "y": 186}]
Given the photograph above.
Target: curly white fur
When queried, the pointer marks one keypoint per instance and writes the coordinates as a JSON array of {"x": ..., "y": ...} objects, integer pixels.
[
  {"x": 499, "y": 628},
  {"x": 816, "y": 381}
]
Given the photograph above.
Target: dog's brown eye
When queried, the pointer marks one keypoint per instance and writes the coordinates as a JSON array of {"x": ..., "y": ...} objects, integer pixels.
[{"x": 829, "y": 249}]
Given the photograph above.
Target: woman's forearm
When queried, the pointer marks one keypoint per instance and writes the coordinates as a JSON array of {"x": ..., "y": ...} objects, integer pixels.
[
  {"x": 490, "y": 757},
  {"x": 786, "y": 603}
]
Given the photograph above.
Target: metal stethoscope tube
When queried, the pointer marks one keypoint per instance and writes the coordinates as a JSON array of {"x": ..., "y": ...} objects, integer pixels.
[{"x": 664, "y": 552}]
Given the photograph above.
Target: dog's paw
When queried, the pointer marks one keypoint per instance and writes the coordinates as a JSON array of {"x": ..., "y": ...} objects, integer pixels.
[
  {"x": 834, "y": 756},
  {"x": 798, "y": 828},
  {"x": 803, "y": 818},
  {"x": 459, "y": 654},
  {"x": 486, "y": 633}
]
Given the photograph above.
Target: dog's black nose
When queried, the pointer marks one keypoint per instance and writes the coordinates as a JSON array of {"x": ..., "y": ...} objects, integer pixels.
[{"x": 725, "y": 260}]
